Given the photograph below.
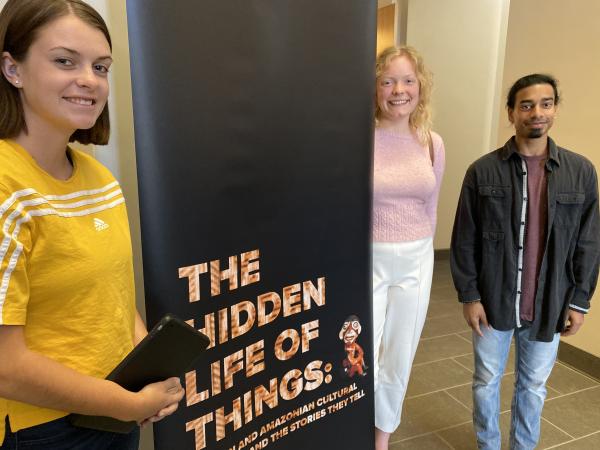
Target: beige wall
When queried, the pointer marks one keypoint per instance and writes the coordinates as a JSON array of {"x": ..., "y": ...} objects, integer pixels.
[
  {"x": 462, "y": 42},
  {"x": 562, "y": 38}
]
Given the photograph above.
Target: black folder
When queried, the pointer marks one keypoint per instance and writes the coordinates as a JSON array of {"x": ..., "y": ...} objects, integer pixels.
[{"x": 169, "y": 350}]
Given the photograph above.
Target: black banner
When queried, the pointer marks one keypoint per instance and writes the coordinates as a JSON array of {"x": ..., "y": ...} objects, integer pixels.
[{"x": 253, "y": 138}]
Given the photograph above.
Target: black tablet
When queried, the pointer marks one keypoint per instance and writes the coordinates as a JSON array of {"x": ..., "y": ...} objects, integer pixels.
[{"x": 169, "y": 350}]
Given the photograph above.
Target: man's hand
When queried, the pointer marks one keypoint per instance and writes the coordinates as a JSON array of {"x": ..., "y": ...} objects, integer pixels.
[
  {"x": 573, "y": 323},
  {"x": 475, "y": 315}
]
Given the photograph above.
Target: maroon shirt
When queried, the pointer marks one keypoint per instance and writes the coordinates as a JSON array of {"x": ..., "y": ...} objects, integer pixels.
[{"x": 535, "y": 232}]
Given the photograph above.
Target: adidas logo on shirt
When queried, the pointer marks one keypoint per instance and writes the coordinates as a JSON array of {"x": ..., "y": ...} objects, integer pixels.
[{"x": 100, "y": 224}]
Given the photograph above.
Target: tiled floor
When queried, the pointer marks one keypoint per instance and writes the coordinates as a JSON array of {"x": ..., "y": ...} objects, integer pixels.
[{"x": 438, "y": 405}]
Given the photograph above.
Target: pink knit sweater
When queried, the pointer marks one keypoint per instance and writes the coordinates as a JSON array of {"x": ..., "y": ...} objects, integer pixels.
[{"x": 406, "y": 187}]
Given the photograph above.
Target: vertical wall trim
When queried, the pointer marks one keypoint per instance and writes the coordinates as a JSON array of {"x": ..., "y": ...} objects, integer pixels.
[
  {"x": 498, "y": 100},
  {"x": 401, "y": 22}
]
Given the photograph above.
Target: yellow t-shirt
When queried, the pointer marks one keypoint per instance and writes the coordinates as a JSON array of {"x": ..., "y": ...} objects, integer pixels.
[{"x": 66, "y": 269}]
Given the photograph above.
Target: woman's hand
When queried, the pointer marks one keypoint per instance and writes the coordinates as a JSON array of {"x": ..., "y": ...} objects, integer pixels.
[
  {"x": 64, "y": 389},
  {"x": 159, "y": 400}
]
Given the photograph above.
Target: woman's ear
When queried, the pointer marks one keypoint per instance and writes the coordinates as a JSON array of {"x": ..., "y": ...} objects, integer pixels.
[{"x": 10, "y": 69}]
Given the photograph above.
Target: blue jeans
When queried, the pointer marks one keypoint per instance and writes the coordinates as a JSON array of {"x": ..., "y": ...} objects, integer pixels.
[
  {"x": 533, "y": 363},
  {"x": 61, "y": 435}
]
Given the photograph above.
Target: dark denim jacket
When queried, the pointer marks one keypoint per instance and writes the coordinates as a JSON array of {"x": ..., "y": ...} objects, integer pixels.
[{"x": 485, "y": 238}]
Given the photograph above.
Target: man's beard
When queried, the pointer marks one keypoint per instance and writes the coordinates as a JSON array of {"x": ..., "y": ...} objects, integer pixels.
[{"x": 536, "y": 133}]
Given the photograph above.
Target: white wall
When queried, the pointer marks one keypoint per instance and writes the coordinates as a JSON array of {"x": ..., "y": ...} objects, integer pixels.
[
  {"x": 462, "y": 42},
  {"x": 119, "y": 154}
]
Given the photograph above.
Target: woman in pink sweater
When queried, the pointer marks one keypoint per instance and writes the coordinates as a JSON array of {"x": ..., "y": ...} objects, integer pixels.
[{"x": 409, "y": 163}]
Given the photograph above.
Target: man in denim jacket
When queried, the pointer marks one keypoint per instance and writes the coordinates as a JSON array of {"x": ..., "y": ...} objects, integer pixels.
[{"x": 525, "y": 253}]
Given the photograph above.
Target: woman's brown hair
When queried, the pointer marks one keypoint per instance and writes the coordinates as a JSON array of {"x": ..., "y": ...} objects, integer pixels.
[{"x": 20, "y": 21}]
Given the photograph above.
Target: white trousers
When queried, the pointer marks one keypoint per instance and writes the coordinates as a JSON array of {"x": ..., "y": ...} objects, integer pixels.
[{"x": 402, "y": 275}]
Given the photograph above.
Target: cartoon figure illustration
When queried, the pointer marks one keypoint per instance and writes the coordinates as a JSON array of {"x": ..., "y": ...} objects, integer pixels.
[{"x": 354, "y": 362}]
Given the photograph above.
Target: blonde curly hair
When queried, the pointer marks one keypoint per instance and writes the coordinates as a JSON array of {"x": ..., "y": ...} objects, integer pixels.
[{"x": 420, "y": 119}]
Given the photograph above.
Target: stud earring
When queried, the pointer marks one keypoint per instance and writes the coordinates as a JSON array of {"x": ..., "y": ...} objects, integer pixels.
[{"x": 17, "y": 81}]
